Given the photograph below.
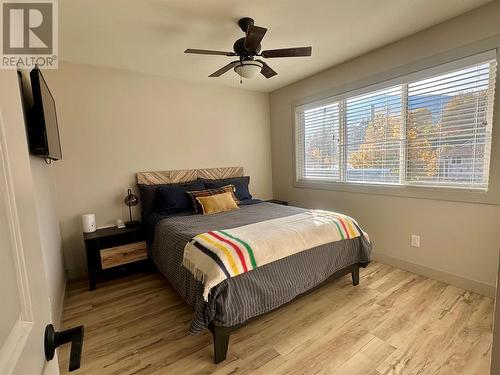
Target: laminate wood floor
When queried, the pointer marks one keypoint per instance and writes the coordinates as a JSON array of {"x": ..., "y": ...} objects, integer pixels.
[{"x": 394, "y": 322}]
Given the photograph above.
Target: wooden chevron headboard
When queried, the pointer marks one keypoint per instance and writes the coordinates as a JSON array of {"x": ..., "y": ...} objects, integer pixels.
[{"x": 185, "y": 175}]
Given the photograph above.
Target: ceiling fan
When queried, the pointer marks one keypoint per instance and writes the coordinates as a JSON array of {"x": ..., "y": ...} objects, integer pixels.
[{"x": 247, "y": 49}]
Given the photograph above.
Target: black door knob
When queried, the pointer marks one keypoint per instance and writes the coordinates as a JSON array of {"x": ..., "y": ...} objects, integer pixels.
[{"x": 54, "y": 339}]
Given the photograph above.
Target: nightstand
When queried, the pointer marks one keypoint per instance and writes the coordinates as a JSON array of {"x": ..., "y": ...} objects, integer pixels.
[
  {"x": 277, "y": 201},
  {"x": 113, "y": 250}
]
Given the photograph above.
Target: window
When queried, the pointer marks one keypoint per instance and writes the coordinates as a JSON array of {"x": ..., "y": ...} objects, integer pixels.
[
  {"x": 431, "y": 128},
  {"x": 320, "y": 150},
  {"x": 373, "y": 136}
]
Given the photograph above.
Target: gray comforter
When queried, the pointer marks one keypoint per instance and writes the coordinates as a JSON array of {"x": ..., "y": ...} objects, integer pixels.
[{"x": 256, "y": 292}]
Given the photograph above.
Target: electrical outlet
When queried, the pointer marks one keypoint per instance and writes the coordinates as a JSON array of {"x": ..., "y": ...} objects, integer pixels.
[{"x": 415, "y": 240}]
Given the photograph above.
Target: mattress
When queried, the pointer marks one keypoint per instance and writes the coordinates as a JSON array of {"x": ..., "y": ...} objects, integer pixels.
[{"x": 253, "y": 293}]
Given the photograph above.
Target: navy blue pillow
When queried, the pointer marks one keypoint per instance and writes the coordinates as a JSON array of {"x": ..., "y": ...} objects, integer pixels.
[
  {"x": 246, "y": 202},
  {"x": 172, "y": 199},
  {"x": 240, "y": 185},
  {"x": 148, "y": 200}
]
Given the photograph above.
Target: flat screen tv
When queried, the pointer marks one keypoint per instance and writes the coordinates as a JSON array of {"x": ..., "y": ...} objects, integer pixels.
[{"x": 43, "y": 131}]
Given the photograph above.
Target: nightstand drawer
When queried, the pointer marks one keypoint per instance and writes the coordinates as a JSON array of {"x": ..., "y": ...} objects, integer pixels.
[
  {"x": 120, "y": 239},
  {"x": 118, "y": 255}
]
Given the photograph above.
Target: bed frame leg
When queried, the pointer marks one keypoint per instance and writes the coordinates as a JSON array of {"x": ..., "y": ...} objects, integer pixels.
[
  {"x": 355, "y": 276},
  {"x": 221, "y": 343}
]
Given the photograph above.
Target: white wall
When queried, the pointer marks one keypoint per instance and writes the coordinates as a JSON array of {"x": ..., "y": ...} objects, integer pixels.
[
  {"x": 114, "y": 123},
  {"x": 50, "y": 233},
  {"x": 48, "y": 220},
  {"x": 459, "y": 240}
]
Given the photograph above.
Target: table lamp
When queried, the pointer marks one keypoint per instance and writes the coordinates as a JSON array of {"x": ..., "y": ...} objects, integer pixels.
[{"x": 131, "y": 200}]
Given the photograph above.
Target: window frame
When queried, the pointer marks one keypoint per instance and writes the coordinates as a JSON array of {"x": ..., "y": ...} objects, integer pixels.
[{"x": 406, "y": 188}]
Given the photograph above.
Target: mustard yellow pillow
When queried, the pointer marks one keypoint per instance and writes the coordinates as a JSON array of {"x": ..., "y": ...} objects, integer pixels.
[{"x": 217, "y": 203}]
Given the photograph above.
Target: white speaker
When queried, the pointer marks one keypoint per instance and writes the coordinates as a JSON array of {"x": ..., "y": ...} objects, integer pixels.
[{"x": 88, "y": 222}]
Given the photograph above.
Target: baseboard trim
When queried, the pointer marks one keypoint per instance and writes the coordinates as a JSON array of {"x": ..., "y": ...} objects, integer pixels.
[{"x": 449, "y": 278}]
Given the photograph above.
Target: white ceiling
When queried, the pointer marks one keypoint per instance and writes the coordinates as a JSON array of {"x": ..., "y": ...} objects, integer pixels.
[{"x": 149, "y": 36}]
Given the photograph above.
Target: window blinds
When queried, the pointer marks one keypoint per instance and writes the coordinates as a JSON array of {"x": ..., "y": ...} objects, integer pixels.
[
  {"x": 449, "y": 128},
  {"x": 318, "y": 154},
  {"x": 373, "y": 136},
  {"x": 431, "y": 128}
]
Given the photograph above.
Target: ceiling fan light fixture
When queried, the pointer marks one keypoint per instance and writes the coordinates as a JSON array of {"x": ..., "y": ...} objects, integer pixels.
[
  {"x": 249, "y": 47},
  {"x": 248, "y": 69}
]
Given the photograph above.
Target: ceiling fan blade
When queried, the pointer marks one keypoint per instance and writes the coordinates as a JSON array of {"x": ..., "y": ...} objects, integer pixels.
[
  {"x": 209, "y": 52},
  {"x": 254, "y": 37},
  {"x": 266, "y": 70},
  {"x": 287, "y": 52},
  {"x": 224, "y": 69}
]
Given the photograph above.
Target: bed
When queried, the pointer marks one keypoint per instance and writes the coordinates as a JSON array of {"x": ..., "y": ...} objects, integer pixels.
[{"x": 237, "y": 300}]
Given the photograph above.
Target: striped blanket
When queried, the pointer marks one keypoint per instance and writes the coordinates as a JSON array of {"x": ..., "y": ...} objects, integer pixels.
[{"x": 220, "y": 254}]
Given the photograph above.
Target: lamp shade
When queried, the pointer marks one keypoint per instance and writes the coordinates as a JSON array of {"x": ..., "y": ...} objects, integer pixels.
[
  {"x": 131, "y": 199},
  {"x": 248, "y": 69}
]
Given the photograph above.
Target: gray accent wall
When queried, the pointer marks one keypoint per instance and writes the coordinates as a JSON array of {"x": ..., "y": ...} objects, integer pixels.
[{"x": 459, "y": 238}]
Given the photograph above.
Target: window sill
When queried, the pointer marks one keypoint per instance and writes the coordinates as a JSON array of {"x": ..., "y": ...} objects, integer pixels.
[{"x": 407, "y": 191}]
